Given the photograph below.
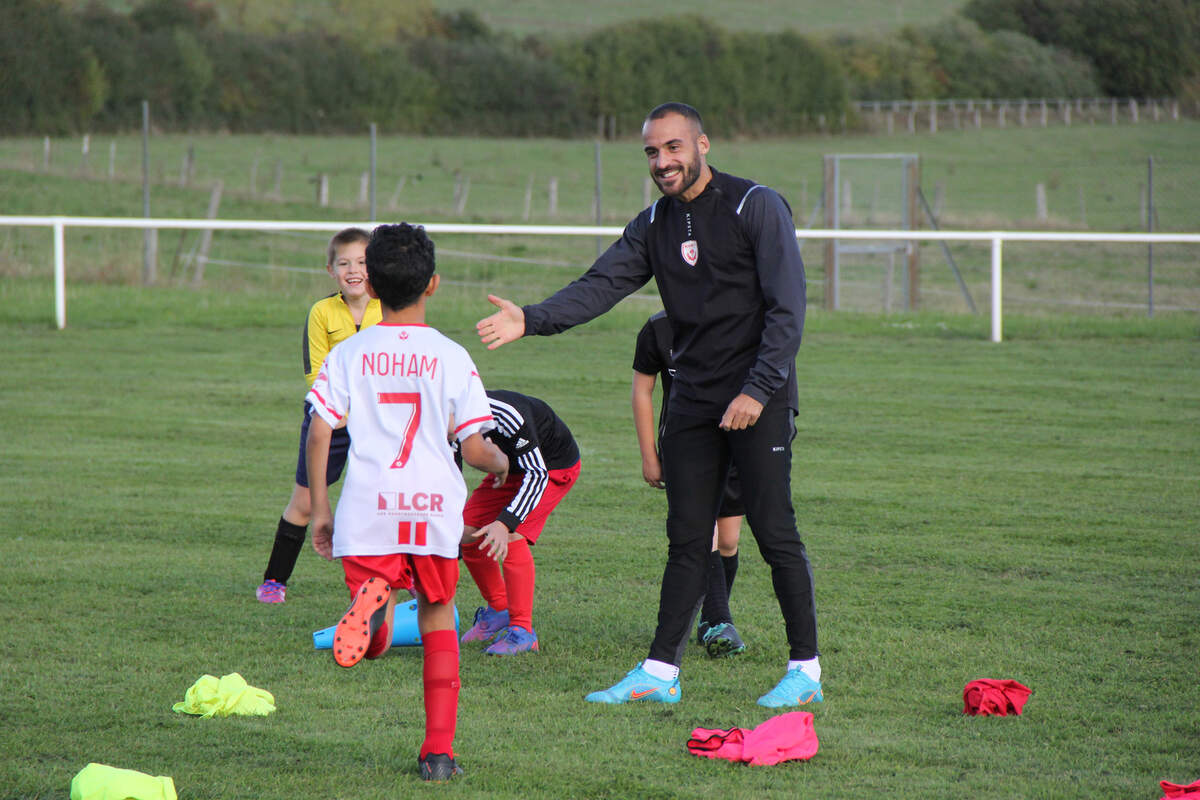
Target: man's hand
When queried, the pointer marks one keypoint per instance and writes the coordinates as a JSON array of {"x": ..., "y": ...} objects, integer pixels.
[
  {"x": 322, "y": 535},
  {"x": 493, "y": 540},
  {"x": 742, "y": 412},
  {"x": 506, "y": 325}
]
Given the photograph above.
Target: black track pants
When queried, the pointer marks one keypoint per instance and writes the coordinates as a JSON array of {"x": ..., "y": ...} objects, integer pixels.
[{"x": 696, "y": 454}]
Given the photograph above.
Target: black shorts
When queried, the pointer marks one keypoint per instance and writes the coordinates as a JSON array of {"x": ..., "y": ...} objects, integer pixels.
[
  {"x": 339, "y": 448},
  {"x": 731, "y": 498}
]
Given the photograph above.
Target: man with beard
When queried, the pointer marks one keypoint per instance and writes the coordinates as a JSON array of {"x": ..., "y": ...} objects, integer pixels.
[{"x": 723, "y": 253}]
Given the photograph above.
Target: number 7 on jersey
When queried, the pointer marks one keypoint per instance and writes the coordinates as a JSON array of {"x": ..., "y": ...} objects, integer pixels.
[{"x": 405, "y": 401}]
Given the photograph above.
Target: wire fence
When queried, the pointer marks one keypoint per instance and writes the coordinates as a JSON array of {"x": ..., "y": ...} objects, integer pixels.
[
  {"x": 894, "y": 116},
  {"x": 1057, "y": 181}
]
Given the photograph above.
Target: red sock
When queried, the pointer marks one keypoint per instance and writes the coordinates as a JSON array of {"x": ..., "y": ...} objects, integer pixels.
[
  {"x": 440, "y": 674},
  {"x": 519, "y": 576},
  {"x": 487, "y": 575}
]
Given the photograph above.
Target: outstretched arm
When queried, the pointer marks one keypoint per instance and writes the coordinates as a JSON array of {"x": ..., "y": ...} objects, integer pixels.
[
  {"x": 506, "y": 325},
  {"x": 619, "y": 271}
]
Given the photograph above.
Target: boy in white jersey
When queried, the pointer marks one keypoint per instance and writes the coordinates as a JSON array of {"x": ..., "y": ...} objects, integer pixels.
[{"x": 402, "y": 388}]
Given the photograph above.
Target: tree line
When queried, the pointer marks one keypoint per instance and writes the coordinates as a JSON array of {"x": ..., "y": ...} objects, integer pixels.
[{"x": 70, "y": 69}]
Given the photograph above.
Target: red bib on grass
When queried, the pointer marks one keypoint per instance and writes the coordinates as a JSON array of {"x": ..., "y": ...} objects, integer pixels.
[
  {"x": 985, "y": 697},
  {"x": 787, "y": 737},
  {"x": 1176, "y": 791}
]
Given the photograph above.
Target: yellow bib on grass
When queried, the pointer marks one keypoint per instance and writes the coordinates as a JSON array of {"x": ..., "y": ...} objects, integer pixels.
[
  {"x": 230, "y": 694},
  {"x": 102, "y": 782}
]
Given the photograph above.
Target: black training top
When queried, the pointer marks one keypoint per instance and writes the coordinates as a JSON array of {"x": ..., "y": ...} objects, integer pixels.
[
  {"x": 535, "y": 441},
  {"x": 729, "y": 272}
]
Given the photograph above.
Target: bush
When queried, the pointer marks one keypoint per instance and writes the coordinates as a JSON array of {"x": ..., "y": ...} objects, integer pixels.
[
  {"x": 51, "y": 81},
  {"x": 972, "y": 63},
  {"x": 957, "y": 58},
  {"x": 745, "y": 82},
  {"x": 490, "y": 87},
  {"x": 1139, "y": 48},
  {"x": 888, "y": 68},
  {"x": 1028, "y": 69}
]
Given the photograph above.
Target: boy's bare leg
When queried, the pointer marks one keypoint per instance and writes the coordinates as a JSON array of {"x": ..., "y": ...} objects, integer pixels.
[
  {"x": 729, "y": 531},
  {"x": 434, "y": 616}
]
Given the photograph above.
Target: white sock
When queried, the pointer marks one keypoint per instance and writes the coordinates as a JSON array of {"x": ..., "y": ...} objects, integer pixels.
[
  {"x": 661, "y": 669},
  {"x": 811, "y": 668}
]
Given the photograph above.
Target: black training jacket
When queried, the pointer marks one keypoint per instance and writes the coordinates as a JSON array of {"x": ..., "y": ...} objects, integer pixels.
[{"x": 729, "y": 272}]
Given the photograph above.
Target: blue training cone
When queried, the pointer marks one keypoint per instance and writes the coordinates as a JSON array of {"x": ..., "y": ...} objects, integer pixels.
[{"x": 405, "y": 632}]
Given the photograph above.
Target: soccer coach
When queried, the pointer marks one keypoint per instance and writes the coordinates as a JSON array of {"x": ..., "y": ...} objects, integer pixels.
[{"x": 723, "y": 252}]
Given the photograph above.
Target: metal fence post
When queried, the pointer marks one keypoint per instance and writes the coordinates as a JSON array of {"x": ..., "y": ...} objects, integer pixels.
[
  {"x": 997, "y": 302},
  {"x": 60, "y": 276}
]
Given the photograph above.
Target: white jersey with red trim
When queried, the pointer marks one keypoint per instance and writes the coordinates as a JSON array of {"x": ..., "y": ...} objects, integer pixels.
[{"x": 399, "y": 387}]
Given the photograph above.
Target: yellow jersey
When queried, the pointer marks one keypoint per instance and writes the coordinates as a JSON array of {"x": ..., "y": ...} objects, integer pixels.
[{"x": 330, "y": 322}]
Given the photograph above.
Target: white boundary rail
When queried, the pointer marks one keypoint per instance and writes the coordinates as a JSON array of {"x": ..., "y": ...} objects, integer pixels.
[{"x": 996, "y": 238}]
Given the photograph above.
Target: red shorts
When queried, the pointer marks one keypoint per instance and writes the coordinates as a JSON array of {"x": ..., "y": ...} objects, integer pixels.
[
  {"x": 433, "y": 577},
  {"x": 486, "y": 503}
]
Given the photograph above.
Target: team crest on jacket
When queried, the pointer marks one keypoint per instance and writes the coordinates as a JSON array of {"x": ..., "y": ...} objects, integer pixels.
[{"x": 690, "y": 252}]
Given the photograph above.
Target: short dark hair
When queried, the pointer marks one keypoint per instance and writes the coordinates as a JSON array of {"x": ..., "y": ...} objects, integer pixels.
[
  {"x": 399, "y": 263},
  {"x": 682, "y": 109},
  {"x": 342, "y": 238}
]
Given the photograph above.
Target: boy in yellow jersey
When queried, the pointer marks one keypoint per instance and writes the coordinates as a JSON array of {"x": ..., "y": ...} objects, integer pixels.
[{"x": 330, "y": 321}]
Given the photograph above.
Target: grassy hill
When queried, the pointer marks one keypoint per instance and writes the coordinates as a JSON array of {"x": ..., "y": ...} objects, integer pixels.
[
  {"x": 551, "y": 17},
  {"x": 555, "y": 18}
]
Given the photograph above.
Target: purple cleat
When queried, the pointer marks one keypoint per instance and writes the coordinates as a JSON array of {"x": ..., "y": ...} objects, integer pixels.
[
  {"x": 488, "y": 623},
  {"x": 513, "y": 639}
]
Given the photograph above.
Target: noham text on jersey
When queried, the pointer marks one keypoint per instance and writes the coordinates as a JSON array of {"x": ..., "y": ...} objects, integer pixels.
[{"x": 400, "y": 365}]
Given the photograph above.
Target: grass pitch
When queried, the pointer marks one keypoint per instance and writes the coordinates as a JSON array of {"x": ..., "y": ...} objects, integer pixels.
[{"x": 1026, "y": 510}]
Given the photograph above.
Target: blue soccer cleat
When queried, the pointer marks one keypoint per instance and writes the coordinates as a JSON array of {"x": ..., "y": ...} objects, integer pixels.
[
  {"x": 513, "y": 639},
  {"x": 488, "y": 623},
  {"x": 639, "y": 686},
  {"x": 796, "y": 689}
]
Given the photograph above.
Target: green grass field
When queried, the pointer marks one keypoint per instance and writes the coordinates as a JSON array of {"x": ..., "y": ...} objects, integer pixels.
[{"x": 1028, "y": 510}]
